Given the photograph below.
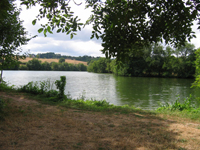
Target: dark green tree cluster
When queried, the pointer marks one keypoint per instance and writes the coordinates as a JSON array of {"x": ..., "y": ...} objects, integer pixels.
[
  {"x": 197, "y": 73},
  {"x": 58, "y": 56},
  {"x": 156, "y": 61},
  {"x": 101, "y": 65},
  {"x": 36, "y": 64}
]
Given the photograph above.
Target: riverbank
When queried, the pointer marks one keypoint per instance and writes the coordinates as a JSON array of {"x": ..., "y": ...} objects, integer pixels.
[{"x": 31, "y": 124}]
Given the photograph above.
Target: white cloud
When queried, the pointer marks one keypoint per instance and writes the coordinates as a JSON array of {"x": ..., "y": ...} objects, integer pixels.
[
  {"x": 61, "y": 43},
  {"x": 64, "y": 47},
  {"x": 196, "y": 41}
]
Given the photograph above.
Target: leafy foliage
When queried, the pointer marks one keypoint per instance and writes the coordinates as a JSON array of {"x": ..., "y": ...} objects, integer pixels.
[
  {"x": 45, "y": 88},
  {"x": 60, "y": 84},
  {"x": 12, "y": 36},
  {"x": 197, "y": 63},
  {"x": 127, "y": 26},
  {"x": 156, "y": 61},
  {"x": 177, "y": 105},
  {"x": 34, "y": 64},
  {"x": 101, "y": 65},
  {"x": 59, "y": 15},
  {"x": 124, "y": 26},
  {"x": 61, "y": 60}
]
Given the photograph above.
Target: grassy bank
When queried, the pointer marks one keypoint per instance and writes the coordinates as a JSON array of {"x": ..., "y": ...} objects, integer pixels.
[{"x": 44, "y": 93}]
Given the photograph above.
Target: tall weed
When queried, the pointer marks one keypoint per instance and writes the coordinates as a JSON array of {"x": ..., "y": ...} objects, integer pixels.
[
  {"x": 46, "y": 88},
  {"x": 177, "y": 105}
]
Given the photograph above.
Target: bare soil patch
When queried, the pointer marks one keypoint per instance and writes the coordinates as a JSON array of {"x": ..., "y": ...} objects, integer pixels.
[
  {"x": 31, "y": 125},
  {"x": 55, "y": 60}
]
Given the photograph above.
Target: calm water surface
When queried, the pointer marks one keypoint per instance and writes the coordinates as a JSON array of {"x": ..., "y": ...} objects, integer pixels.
[{"x": 142, "y": 92}]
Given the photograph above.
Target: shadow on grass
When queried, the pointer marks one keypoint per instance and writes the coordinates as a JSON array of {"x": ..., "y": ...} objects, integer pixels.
[{"x": 62, "y": 128}]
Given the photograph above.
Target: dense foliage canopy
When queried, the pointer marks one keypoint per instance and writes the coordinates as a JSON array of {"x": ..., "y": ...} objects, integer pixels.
[
  {"x": 125, "y": 26},
  {"x": 157, "y": 61}
]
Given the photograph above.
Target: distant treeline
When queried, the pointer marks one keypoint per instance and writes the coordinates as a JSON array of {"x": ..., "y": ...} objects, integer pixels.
[
  {"x": 58, "y": 56},
  {"x": 155, "y": 61},
  {"x": 36, "y": 64}
]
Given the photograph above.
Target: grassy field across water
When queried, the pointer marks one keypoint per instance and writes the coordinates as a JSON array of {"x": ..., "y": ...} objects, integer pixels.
[{"x": 54, "y": 60}]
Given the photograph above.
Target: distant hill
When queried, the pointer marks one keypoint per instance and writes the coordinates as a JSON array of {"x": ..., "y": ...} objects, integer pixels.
[{"x": 50, "y": 55}]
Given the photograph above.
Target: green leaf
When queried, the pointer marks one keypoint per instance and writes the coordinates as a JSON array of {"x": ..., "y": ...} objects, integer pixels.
[
  {"x": 58, "y": 31},
  {"x": 71, "y": 36},
  {"x": 92, "y": 36},
  {"x": 34, "y": 21},
  {"x": 68, "y": 32},
  {"x": 40, "y": 30},
  {"x": 49, "y": 29},
  {"x": 96, "y": 35},
  {"x": 45, "y": 32}
]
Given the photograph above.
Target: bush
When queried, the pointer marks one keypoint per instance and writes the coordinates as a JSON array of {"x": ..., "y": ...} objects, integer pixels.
[
  {"x": 45, "y": 88},
  {"x": 5, "y": 86}
]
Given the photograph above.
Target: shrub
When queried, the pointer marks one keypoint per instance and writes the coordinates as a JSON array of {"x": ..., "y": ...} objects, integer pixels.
[
  {"x": 177, "y": 105},
  {"x": 60, "y": 85}
]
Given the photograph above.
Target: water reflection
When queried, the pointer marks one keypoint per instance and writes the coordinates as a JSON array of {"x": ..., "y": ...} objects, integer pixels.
[{"x": 147, "y": 93}]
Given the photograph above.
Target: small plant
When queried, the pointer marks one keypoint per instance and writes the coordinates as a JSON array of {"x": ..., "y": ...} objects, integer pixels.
[
  {"x": 5, "y": 86},
  {"x": 60, "y": 84}
]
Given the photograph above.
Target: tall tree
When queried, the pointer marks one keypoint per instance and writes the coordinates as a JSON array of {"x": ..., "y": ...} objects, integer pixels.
[
  {"x": 12, "y": 36},
  {"x": 129, "y": 24}
]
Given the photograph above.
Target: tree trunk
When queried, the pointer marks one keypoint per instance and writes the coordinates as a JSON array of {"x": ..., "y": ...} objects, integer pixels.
[{"x": 1, "y": 78}]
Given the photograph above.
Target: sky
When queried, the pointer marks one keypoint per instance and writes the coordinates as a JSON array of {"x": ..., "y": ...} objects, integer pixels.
[{"x": 60, "y": 43}]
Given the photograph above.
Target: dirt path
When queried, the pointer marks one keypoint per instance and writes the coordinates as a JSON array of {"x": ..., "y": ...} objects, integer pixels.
[{"x": 34, "y": 126}]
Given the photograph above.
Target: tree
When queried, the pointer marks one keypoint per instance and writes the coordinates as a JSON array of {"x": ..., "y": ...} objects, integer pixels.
[
  {"x": 102, "y": 65},
  {"x": 46, "y": 66},
  {"x": 61, "y": 60},
  {"x": 125, "y": 26},
  {"x": 12, "y": 36},
  {"x": 34, "y": 64}
]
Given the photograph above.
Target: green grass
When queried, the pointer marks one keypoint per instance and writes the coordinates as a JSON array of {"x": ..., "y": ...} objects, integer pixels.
[
  {"x": 183, "y": 110},
  {"x": 46, "y": 95}
]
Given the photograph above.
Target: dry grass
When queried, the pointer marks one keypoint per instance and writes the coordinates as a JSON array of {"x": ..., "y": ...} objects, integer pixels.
[
  {"x": 55, "y": 60},
  {"x": 31, "y": 125}
]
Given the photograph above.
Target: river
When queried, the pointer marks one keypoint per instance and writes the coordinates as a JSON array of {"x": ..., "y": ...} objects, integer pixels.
[{"x": 141, "y": 92}]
